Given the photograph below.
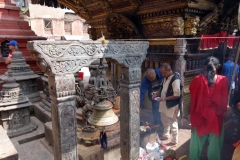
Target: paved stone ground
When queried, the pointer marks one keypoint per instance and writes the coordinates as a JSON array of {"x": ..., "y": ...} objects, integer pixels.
[
  {"x": 182, "y": 147},
  {"x": 35, "y": 150}
]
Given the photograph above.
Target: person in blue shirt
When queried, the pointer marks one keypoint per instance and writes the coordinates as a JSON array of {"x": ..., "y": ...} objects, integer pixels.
[
  {"x": 151, "y": 82},
  {"x": 228, "y": 67}
]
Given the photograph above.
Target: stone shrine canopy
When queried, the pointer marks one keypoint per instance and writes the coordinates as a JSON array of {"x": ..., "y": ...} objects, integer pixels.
[{"x": 61, "y": 59}]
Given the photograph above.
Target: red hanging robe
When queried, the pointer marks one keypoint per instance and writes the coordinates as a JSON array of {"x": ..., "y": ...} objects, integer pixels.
[{"x": 208, "y": 104}]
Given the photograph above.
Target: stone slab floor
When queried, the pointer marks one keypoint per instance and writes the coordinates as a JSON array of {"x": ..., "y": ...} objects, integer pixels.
[{"x": 33, "y": 149}]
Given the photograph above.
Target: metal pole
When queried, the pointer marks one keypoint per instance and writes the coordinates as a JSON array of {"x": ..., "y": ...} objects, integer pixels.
[
  {"x": 233, "y": 72},
  {"x": 236, "y": 58}
]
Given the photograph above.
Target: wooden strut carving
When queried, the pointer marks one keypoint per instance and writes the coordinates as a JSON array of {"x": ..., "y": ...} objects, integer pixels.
[{"x": 120, "y": 27}]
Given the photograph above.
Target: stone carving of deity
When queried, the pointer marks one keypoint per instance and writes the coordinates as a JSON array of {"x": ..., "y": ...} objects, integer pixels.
[
  {"x": 16, "y": 120},
  {"x": 92, "y": 79}
]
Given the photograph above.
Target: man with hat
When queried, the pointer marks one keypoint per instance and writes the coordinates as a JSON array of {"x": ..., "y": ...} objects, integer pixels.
[{"x": 13, "y": 47}]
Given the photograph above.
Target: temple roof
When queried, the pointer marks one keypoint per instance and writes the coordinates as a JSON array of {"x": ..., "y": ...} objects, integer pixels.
[{"x": 151, "y": 18}]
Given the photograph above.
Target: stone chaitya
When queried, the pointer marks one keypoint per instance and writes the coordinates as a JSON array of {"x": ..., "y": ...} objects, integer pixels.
[
  {"x": 23, "y": 75},
  {"x": 14, "y": 109},
  {"x": 61, "y": 59}
]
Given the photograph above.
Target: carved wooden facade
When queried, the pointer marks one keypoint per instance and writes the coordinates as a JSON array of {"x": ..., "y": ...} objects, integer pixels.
[{"x": 154, "y": 19}]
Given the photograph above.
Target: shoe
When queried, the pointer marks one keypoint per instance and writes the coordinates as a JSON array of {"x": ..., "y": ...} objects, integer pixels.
[
  {"x": 171, "y": 144},
  {"x": 163, "y": 138}
]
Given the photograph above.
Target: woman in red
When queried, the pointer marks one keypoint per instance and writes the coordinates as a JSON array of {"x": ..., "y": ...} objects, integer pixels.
[{"x": 209, "y": 99}]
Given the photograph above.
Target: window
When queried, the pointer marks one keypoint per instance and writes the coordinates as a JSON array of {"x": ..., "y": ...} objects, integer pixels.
[
  {"x": 48, "y": 24},
  {"x": 68, "y": 27}
]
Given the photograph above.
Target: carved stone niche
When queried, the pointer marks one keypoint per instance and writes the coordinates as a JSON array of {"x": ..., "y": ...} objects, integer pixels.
[
  {"x": 61, "y": 59},
  {"x": 14, "y": 110},
  {"x": 23, "y": 75},
  {"x": 191, "y": 24}
]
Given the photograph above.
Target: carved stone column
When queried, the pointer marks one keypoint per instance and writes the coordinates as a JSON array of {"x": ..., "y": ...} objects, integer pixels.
[
  {"x": 130, "y": 98},
  {"x": 62, "y": 91},
  {"x": 61, "y": 59},
  {"x": 180, "y": 62}
]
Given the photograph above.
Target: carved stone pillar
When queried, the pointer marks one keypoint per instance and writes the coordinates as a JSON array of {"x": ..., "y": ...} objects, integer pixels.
[
  {"x": 62, "y": 91},
  {"x": 130, "y": 112},
  {"x": 61, "y": 59},
  {"x": 180, "y": 62}
]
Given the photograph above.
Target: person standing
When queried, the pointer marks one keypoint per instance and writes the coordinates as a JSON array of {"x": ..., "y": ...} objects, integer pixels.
[
  {"x": 169, "y": 102},
  {"x": 13, "y": 46},
  {"x": 209, "y": 99},
  {"x": 151, "y": 83},
  {"x": 228, "y": 67}
]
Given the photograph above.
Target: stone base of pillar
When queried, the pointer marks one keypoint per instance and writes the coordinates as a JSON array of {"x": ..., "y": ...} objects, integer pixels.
[
  {"x": 41, "y": 113},
  {"x": 48, "y": 133},
  {"x": 23, "y": 130}
]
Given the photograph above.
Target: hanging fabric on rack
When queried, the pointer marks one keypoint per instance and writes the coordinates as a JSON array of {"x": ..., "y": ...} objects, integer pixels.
[{"x": 213, "y": 41}]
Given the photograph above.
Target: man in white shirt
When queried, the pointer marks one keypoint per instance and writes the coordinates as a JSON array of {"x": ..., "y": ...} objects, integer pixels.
[{"x": 169, "y": 102}]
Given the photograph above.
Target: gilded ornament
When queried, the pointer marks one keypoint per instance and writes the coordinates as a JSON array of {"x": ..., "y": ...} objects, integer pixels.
[
  {"x": 191, "y": 25},
  {"x": 178, "y": 26}
]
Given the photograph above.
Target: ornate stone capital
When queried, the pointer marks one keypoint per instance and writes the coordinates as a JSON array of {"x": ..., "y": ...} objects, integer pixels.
[{"x": 65, "y": 57}]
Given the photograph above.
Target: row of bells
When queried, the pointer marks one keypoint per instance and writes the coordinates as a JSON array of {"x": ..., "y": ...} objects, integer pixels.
[{"x": 103, "y": 114}]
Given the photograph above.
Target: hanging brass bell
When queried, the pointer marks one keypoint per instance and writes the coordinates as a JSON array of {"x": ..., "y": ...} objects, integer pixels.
[{"x": 103, "y": 114}]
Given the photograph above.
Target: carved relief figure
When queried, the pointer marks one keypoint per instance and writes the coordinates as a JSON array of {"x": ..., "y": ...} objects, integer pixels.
[
  {"x": 92, "y": 79},
  {"x": 16, "y": 120}
]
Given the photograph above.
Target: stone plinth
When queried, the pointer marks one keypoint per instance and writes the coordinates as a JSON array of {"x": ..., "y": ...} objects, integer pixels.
[
  {"x": 23, "y": 75},
  {"x": 7, "y": 150},
  {"x": 15, "y": 27},
  {"x": 14, "y": 109}
]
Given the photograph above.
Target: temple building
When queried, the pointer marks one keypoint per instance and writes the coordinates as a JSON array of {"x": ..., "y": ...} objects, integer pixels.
[{"x": 173, "y": 28}]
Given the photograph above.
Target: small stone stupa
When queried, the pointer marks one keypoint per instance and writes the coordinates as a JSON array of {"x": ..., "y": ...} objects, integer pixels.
[
  {"x": 23, "y": 75},
  {"x": 14, "y": 109}
]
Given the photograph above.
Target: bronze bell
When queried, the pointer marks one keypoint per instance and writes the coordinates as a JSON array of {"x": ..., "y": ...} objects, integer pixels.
[{"x": 103, "y": 114}]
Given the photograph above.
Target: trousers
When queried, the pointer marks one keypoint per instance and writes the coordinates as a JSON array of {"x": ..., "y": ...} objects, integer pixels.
[
  {"x": 214, "y": 147},
  {"x": 170, "y": 124},
  {"x": 155, "y": 113}
]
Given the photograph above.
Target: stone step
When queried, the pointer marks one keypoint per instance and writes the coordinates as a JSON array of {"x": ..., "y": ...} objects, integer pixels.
[
  {"x": 14, "y": 22},
  {"x": 14, "y": 26},
  {"x": 7, "y": 149},
  {"x": 17, "y": 32}
]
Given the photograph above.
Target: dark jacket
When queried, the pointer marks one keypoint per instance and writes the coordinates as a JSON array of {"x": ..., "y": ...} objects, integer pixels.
[
  {"x": 172, "y": 103},
  {"x": 146, "y": 85}
]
